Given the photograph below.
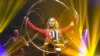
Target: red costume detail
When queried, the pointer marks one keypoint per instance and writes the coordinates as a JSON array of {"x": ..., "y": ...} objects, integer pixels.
[{"x": 45, "y": 31}]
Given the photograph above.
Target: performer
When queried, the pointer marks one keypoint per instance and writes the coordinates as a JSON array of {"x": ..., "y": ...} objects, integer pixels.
[
  {"x": 52, "y": 33},
  {"x": 12, "y": 41}
]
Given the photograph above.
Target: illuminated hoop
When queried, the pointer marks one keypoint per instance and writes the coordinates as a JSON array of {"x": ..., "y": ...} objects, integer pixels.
[{"x": 30, "y": 11}]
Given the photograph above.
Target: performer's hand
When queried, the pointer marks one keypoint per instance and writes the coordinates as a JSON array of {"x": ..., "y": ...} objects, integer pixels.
[{"x": 26, "y": 17}]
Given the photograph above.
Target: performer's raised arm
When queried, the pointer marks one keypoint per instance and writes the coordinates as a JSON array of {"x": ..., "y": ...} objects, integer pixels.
[
  {"x": 70, "y": 25},
  {"x": 33, "y": 27}
]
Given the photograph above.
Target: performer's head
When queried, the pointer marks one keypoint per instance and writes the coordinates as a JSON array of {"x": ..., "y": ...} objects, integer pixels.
[
  {"x": 16, "y": 33},
  {"x": 52, "y": 23}
]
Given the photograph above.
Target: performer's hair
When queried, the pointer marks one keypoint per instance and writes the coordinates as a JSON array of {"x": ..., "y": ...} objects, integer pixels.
[
  {"x": 56, "y": 23},
  {"x": 16, "y": 32}
]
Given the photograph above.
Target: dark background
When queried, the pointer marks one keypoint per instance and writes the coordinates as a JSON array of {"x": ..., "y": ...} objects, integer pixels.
[{"x": 16, "y": 23}]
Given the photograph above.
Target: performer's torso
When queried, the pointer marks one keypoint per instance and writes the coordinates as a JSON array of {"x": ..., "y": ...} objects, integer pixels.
[{"x": 53, "y": 34}]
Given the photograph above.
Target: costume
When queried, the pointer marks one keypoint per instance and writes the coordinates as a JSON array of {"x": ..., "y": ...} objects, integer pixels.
[{"x": 47, "y": 32}]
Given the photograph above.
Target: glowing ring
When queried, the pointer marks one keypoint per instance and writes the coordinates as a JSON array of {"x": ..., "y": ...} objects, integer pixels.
[
  {"x": 35, "y": 37},
  {"x": 29, "y": 11}
]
